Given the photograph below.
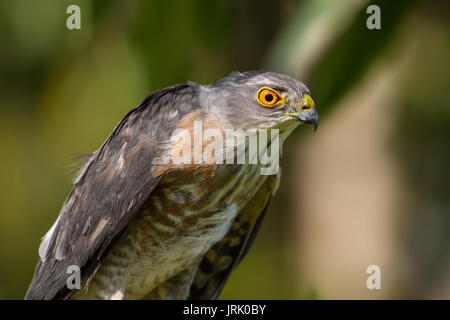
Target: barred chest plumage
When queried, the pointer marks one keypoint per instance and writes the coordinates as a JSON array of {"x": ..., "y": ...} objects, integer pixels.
[{"x": 179, "y": 222}]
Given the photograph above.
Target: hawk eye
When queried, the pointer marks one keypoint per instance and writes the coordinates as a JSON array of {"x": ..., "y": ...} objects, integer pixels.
[{"x": 268, "y": 97}]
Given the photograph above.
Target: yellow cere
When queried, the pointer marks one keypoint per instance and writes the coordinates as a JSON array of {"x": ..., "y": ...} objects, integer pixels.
[{"x": 307, "y": 103}]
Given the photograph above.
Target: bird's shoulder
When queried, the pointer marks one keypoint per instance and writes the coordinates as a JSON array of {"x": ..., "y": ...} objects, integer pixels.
[{"x": 110, "y": 189}]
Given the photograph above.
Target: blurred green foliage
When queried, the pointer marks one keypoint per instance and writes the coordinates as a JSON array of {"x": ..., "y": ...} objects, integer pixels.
[{"x": 62, "y": 92}]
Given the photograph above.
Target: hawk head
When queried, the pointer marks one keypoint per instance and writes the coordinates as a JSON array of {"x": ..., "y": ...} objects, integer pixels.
[{"x": 260, "y": 99}]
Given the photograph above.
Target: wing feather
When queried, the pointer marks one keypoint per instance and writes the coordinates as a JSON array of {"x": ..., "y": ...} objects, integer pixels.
[
  {"x": 109, "y": 190},
  {"x": 218, "y": 263}
]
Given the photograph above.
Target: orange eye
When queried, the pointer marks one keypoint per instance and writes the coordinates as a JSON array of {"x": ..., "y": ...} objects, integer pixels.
[{"x": 268, "y": 97}]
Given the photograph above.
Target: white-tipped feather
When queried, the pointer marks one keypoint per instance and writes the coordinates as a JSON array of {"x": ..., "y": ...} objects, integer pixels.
[{"x": 43, "y": 247}]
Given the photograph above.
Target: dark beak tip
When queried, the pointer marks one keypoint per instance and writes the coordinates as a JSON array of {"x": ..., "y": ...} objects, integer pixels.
[
  {"x": 316, "y": 120},
  {"x": 316, "y": 124},
  {"x": 312, "y": 118}
]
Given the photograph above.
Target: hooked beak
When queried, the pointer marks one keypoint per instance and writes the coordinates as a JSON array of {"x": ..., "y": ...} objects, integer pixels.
[{"x": 308, "y": 112}]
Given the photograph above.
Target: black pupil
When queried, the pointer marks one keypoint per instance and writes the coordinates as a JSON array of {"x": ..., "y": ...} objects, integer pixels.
[{"x": 269, "y": 97}]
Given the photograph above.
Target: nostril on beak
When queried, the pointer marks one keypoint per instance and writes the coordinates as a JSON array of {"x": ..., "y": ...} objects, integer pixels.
[
  {"x": 307, "y": 113},
  {"x": 307, "y": 103}
]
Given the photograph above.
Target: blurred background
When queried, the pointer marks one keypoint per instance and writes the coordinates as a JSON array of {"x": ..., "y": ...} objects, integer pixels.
[{"x": 370, "y": 187}]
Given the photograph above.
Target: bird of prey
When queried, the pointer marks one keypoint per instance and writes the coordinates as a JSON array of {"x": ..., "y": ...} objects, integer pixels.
[{"x": 141, "y": 226}]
